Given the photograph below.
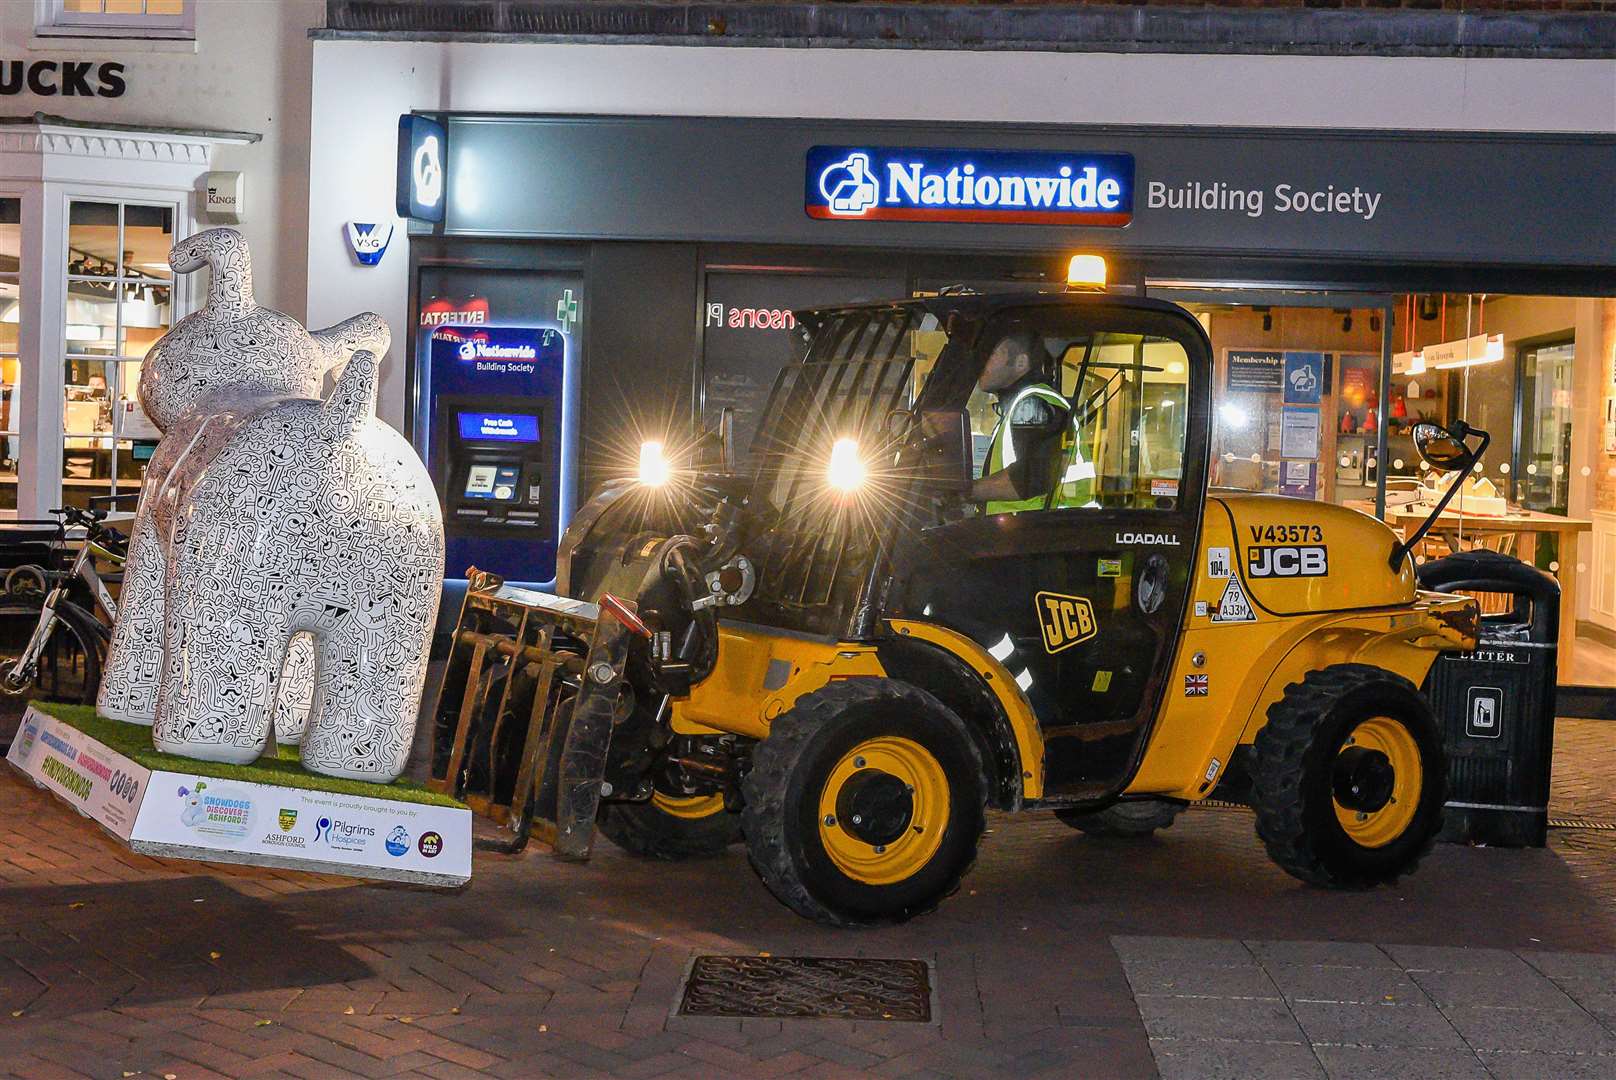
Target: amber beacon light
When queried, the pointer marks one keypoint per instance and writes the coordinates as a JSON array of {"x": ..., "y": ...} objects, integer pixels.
[{"x": 1085, "y": 272}]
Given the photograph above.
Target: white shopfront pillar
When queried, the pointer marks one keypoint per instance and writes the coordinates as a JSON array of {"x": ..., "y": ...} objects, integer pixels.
[{"x": 46, "y": 162}]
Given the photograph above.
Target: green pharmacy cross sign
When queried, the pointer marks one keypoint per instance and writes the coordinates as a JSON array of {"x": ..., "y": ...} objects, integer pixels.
[{"x": 567, "y": 311}]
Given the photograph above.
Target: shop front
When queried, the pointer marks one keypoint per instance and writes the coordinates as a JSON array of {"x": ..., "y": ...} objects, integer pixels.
[{"x": 1352, "y": 285}]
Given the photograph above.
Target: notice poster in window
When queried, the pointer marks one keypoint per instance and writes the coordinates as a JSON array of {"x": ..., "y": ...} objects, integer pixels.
[
  {"x": 1299, "y": 479},
  {"x": 1254, "y": 371},
  {"x": 1304, "y": 377},
  {"x": 1299, "y": 434}
]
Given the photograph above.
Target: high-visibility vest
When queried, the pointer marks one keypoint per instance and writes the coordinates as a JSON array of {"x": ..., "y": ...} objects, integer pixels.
[{"x": 1002, "y": 448}]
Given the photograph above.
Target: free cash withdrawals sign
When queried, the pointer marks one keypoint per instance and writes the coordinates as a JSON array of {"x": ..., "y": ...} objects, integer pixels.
[
  {"x": 885, "y": 183},
  {"x": 159, "y": 812}
]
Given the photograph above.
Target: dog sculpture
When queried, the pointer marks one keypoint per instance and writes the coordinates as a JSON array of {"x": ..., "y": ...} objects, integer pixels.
[{"x": 272, "y": 520}]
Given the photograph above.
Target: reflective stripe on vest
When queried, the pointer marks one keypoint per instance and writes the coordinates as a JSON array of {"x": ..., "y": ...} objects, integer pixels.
[{"x": 1003, "y": 447}]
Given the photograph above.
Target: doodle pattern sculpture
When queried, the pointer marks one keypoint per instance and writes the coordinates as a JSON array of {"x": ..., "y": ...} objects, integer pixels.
[{"x": 287, "y": 553}]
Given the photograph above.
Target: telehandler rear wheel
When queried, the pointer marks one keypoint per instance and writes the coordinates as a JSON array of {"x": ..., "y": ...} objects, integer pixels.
[
  {"x": 865, "y": 803},
  {"x": 671, "y": 827},
  {"x": 1134, "y": 818},
  {"x": 1349, "y": 777}
]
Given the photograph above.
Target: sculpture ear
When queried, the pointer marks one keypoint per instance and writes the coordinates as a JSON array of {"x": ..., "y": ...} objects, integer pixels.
[{"x": 366, "y": 331}]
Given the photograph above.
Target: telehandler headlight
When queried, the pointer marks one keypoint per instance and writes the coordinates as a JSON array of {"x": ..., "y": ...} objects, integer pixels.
[
  {"x": 655, "y": 469},
  {"x": 847, "y": 470}
]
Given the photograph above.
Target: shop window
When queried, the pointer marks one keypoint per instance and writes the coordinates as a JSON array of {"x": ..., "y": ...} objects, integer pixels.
[
  {"x": 116, "y": 18},
  {"x": 119, "y": 301},
  {"x": 10, "y": 377}
]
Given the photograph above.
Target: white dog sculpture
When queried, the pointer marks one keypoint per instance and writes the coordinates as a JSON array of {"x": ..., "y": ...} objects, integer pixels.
[{"x": 270, "y": 517}]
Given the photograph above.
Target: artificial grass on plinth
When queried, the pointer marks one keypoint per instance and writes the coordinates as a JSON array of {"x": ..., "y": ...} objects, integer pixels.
[{"x": 133, "y": 741}]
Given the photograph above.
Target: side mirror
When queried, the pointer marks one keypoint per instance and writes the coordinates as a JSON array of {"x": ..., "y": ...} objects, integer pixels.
[
  {"x": 945, "y": 445},
  {"x": 1445, "y": 449}
]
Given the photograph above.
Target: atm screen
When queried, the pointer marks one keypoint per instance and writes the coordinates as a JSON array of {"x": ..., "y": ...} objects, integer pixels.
[
  {"x": 498, "y": 427},
  {"x": 480, "y": 481},
  {"x": 492, "y": 482}
]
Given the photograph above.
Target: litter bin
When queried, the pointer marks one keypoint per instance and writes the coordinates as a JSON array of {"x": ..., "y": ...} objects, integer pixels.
[{"x": 1496, "y": 704}]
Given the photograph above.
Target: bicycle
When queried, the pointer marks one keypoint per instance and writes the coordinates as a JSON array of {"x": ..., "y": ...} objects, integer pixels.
[{"x": 52, "y": 645}]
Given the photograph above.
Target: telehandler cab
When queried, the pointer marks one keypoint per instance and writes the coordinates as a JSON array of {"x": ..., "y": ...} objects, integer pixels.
[{"x": 973, "y": 562}]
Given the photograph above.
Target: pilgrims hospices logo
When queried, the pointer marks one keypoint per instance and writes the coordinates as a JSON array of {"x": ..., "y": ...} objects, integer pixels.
[{"x": 903, "y": 183}]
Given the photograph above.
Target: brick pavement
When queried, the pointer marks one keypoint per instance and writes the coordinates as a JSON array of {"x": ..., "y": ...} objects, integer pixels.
[{"x": 113, "y": 963}]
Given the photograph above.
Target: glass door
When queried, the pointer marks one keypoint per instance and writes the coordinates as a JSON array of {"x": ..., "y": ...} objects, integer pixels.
[{"x": 1543, "y": 455}]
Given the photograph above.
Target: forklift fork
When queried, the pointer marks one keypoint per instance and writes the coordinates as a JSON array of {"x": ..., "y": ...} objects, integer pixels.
[{"x": 533, "y": 759}]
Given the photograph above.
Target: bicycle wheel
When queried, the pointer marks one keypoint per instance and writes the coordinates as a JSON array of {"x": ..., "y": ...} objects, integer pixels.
[{"x": 69, "y": 666}]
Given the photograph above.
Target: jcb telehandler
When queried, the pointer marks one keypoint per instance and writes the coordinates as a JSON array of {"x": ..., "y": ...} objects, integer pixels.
[{"x": 973, "y": 562}]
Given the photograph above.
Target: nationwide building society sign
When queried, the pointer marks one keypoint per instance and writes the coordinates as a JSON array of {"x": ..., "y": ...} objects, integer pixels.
[{"x": 904, "y": 183}]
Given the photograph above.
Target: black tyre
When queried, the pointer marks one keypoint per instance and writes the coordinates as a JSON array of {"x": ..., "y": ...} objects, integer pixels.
[
  {"x": 1349, "y": 777},
  {"x": 865, "y": 803},
  {"x": 1135, "y": 818},
  {"x": 671, "y": 827},
  {"x": 69, "y": 667}
]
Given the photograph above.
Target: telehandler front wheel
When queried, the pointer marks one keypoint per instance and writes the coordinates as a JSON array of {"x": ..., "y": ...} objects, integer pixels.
[
  {"x": 671, "y": 827},
  {"x": 865, "y": 803},
  {"x": 1134, "y": 818},
  {"x": 1349, "y": 777}
]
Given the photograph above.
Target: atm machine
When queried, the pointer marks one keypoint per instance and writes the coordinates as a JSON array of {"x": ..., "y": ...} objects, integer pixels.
[{"x": 498, "y": 439}]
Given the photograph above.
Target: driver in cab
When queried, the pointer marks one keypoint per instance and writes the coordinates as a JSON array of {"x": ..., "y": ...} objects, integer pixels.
[{"x": 1032, "y": 437}]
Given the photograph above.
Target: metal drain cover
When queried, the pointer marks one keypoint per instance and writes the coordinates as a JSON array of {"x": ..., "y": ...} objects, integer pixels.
[{"x": 778, "y": 987}]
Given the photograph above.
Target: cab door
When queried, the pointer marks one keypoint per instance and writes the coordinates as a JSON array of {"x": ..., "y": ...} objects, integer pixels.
[{"x": 1083, "y": 599}]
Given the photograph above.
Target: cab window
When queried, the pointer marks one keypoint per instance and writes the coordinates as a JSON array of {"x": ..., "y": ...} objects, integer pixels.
[{"x": 1119, "y": 443}]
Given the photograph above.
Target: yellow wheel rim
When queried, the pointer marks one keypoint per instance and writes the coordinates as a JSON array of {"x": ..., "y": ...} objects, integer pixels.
[
  {"x": 905, "y": 838},
  {"x": 689, "y": 807},
  {"x": 1376, "y": 826}
]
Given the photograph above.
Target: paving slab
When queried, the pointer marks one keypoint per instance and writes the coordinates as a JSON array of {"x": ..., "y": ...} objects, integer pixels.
[
  {"x": 1416, "y": 1026},
  {"x": 1401, "y": 1063},
  {"x": 1195, "y": 1059}
]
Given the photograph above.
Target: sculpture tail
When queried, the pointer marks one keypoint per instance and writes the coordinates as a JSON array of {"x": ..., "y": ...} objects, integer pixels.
[{"x": 354, "y": 399}]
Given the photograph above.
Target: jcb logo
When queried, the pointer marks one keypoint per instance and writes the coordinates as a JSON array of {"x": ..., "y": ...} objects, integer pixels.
[
  {"x": 1065, "y": 620},
  {"x": 1312, "y": 561}
]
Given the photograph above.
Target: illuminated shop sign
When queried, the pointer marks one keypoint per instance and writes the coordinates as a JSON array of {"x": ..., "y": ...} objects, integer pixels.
[
  {"x": 422, "y": 156},
  {"x": 500, "y": 350},
  {"x": 499, "y": 427},
  {"x": 900, "y": 183}
]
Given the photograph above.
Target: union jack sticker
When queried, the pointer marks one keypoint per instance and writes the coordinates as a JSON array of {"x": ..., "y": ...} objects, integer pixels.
[{"x": 1195, "y": 685}]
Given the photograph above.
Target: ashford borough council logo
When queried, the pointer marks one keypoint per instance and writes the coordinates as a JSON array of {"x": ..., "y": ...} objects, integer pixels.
[
  {"x": 287, "y": 819},
  {"x": 1065, "y": 620}
]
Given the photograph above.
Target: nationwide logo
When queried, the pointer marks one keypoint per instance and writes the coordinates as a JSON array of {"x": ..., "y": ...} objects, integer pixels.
[
  {"x": 481, "y": 348},
  {"x": 985, "y": 186},
  {"x": 501, "y": 350}
]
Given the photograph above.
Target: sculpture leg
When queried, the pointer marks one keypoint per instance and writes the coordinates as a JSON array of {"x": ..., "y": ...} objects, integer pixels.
[
  {"x": 222, "y": 657},
  {"x": 367, "y": 699},
  {"x": 134, "y": 663},
  {"x": 295, "y": 690}
]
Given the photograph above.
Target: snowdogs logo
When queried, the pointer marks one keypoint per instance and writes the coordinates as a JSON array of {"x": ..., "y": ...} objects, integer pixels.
[
  {"x": 897, "y": 183},
  {"x": 219, "y": 811}
]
